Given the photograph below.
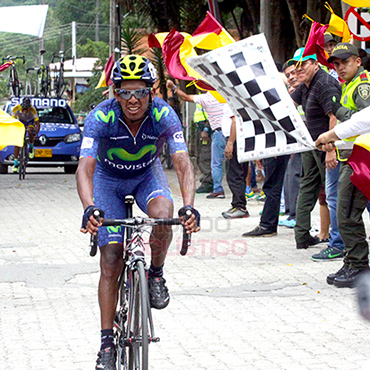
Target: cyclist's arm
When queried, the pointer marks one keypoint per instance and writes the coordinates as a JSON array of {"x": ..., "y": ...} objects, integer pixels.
[
  {"x": 185, "y": 174},
  {"x": 84, "y": 178}
]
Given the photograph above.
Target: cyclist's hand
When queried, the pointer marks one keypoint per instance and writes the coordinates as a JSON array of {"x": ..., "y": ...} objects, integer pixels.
[
  {"x": 192, "y": 224},
  {"x": 89, "y": 223}
]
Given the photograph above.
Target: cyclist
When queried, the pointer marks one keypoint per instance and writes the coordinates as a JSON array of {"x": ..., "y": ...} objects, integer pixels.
[
  {"x": 119, "y": 156},
  {"x": 26, "y": 114}
]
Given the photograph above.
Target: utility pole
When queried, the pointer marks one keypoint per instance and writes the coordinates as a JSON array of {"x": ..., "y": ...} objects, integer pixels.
[
  {"x": 113, "y": 24},
  {"x": 97, "y": 20}
]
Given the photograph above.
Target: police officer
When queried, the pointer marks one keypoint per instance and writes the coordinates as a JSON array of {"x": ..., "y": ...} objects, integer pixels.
[
  {"x": 351, "y": 202},
  {"x": 203, "y": 136}
]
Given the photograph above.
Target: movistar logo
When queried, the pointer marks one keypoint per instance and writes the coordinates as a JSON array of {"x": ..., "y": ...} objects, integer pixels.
[
  {"x": 100, "y": 116},
  {"x": 114, "y": 229},
  {"x": 126, "y": 156},
  {"x": 158, "y": 115}
]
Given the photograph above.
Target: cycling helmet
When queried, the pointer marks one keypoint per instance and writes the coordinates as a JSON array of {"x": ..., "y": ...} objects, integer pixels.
[
  {"x": 26, "y": 103},
  {"x": 134, "y": 67}
]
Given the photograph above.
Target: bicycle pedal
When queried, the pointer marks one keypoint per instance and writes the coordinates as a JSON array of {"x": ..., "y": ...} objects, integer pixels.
[{"x": 155, "y": 339}]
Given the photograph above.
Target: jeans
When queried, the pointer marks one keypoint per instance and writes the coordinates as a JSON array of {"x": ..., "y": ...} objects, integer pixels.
[
  {"x": 217, "y": 163},
  {"x": 291, "y": 184},
  {"x": 331, "y": 190}
]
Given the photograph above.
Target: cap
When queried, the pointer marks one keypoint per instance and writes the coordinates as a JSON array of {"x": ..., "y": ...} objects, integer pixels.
[
  {"x": 328, "y": 37},
  {"x": 343, "y": 51},
  {"x": 297, "y": 57}
]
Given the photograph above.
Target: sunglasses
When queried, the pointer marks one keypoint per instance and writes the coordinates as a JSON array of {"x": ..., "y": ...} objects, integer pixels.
[{"x": 139, "y": 93}]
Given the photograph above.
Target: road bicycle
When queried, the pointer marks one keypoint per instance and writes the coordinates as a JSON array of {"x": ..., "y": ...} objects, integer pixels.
[
  {"x": 44, "y": 83},
  {"x": 14, "y": 83},
  {"x": 59, "y": 84},
  {"x": 30, "y": 82},
  {"x": 133, "y": 323}
]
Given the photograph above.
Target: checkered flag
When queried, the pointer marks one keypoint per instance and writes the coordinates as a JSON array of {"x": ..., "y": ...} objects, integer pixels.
[{"x": 244, "y": 73}]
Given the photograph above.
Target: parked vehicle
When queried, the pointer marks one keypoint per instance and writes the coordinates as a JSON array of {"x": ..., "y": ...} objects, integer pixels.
[{"x": 59, "y": 139}]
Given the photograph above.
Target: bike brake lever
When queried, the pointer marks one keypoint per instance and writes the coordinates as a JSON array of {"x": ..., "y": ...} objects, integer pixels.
[
  {"x": 94, "y": 238},
  {"x": 186, "y": 238}
]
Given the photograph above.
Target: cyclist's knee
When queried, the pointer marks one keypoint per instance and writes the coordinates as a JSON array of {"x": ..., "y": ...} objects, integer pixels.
[{"x": 160, "y": 208}]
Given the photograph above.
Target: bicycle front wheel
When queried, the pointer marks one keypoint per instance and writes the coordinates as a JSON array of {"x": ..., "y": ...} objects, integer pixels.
[
  {"x": 139, "y": 319},
  {"x": 22, "y": 163}
]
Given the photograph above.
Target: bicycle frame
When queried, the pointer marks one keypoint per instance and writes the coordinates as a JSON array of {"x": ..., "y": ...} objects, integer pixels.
[{"x": 14, "y": 83}]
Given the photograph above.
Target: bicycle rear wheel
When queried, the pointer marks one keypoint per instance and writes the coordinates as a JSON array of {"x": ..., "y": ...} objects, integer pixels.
[{"x": 138, "y": 319}]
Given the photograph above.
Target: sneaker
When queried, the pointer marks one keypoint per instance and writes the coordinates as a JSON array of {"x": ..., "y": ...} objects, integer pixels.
[
  {"x": 235, "y": 213},
  {"x": 349, "y": 278},
  {"x": 330, "y": 278},
  {"x": 159, "y": 297},
  {"x": 204, "y": 189},
  {"x": 219, "y": 194},
  {"x": 15, "y": 169},
  {"x": 261, "y": 197},
  {"x": 328, "y": 254},
  {"x": 249, "y": 193},
  {"x": 288, "y": 223},
  {"x": 106, "y": 359},
  {"x": 31, "y": 153},
  {"x": 259, "y": 231}
]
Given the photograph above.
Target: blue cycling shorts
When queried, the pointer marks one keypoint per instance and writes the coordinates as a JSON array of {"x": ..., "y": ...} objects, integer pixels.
[{"x": 110, "y": 193}]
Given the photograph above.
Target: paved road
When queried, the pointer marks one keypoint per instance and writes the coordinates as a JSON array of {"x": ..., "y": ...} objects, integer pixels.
[{"x": 235, "y": 304}]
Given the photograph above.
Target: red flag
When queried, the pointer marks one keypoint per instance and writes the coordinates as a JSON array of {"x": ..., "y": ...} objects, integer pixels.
[
  {"x": 105, "y": 76},
  {"x": 209, "y": 24},
  {"x": 360, "y": 163},
  {"x": 4, "y": 66},
  {"x": 316, "y": 42}
]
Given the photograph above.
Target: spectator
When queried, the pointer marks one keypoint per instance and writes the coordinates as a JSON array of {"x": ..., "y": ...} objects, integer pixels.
[
  {"x": 236, "y": 172},
  {"x": 315, "y": 93},
  {"x": 214, "y": 110}
]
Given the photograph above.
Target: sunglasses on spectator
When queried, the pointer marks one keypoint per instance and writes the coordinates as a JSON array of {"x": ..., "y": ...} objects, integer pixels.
[{"x": 139, "y": 93}]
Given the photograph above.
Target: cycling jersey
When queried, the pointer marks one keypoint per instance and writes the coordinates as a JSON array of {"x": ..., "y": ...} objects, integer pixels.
[
  {"x": 108, "y": 139},
  {"x": 28, "y": 118}
]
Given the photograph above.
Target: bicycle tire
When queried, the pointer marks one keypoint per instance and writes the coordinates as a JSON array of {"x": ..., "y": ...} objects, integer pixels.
[
  {"x": 138, "y": 319},
  {"x": 22, "y": 162}
]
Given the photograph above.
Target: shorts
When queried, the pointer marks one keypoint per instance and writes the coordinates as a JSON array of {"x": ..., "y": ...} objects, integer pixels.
[{"x": 110, "y": 193}]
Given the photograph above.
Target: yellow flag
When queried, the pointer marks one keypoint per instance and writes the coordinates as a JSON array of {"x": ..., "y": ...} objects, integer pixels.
[
  {"x": 358, "y": 3},
  {"x": 338, "y": 26},
  {"x": 11, "y": 130}
]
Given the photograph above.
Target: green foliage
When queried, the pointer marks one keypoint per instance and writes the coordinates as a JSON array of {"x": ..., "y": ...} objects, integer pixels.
[
  {"x": 94, "y": 49},
  {"x": 132, "y": 31}
]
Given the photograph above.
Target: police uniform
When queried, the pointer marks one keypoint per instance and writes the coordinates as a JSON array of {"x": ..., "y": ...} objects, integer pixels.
[{"x": 351, "y": 202}]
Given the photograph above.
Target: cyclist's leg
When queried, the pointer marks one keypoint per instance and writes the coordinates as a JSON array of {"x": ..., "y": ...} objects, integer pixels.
[{"x": 110, "y": 242}]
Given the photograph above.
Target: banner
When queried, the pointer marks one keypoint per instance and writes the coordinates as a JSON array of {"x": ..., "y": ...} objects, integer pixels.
[
  {"x": 28, "y": 19},
  {"x": 245, "y": 74}
]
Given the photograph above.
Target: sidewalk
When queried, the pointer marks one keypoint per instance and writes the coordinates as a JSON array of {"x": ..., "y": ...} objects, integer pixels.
[{"x": 236, "y": 303}]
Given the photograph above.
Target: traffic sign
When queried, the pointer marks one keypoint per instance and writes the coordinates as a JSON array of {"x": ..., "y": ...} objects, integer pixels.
[{"x": 358, "y": 21}]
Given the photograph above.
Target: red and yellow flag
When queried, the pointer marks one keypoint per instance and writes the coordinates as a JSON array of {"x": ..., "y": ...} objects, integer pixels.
[
  {"x": 178, "y": 46},
  {"x": 4, "y": 66},
  {"x": 105, "y": 76},
  {"x": 360, "y": 162},
  {"x": 338, "y": 26}
]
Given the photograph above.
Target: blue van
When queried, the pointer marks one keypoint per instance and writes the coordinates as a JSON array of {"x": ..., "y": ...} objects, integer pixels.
[{"x": 59, "y": 140}]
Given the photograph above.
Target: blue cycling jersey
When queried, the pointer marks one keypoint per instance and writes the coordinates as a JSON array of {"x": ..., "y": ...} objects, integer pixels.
[{"x": 108, "y": 139}]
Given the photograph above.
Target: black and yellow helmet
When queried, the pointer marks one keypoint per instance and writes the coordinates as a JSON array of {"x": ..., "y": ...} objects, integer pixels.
[{"x": 134, "y": 67}]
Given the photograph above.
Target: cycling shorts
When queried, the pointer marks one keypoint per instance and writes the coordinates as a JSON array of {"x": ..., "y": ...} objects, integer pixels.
[{"x": 110, "y": 193}]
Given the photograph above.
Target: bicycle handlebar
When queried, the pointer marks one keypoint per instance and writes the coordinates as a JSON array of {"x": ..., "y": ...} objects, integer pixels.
[
  {"x": 11, "y": 58},
  {"x": 141, "y": 221}
]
